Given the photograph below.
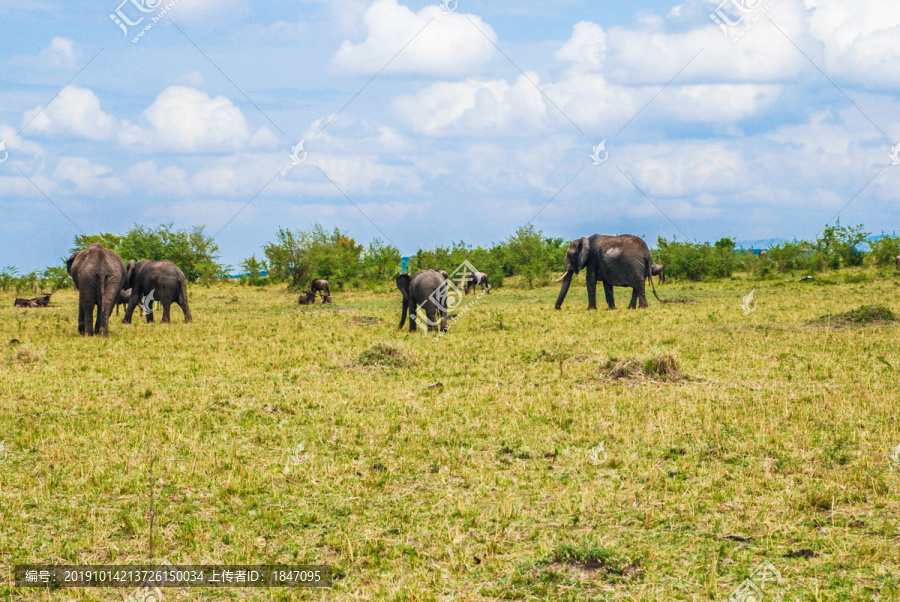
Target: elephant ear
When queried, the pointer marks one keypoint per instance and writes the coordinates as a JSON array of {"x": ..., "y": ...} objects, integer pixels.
[
  {"x": 129, "y": 274},
  {"x": 583, "y": 254},
  {"x": 69, "y": 262},
  {"x": 403, "y": 281}
]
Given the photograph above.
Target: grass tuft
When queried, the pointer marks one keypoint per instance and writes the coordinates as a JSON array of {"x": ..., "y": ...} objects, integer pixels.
[
  {"x": 865, "y": 314},
  {"x": 385, "y": 354},
  {"x": 660, "y": 367}
]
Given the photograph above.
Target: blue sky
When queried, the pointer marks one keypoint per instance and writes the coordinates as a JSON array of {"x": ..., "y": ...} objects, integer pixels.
[{"x": 710, "y": 132}]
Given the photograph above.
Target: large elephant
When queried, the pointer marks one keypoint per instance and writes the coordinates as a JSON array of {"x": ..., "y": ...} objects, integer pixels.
[
  {"x": 99, "y": 275},
  {"x": 164, "y": 280},
  {"x": 613, "y": 260},
  {"x": 422, "y": 289}
]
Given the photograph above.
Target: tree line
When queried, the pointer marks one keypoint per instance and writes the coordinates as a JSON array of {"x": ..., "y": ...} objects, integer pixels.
[{"x": 298, "y": 256}]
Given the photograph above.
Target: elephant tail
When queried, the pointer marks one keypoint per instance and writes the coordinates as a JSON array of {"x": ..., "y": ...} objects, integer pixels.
[{"x": 182, "y": 292}]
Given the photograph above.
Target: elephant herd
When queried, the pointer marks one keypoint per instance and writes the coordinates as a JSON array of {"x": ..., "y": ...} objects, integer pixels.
[
  {"x": 622, "y": 260},
  {"x": 100, "y": 277},
  {"x": 103, "y": 281}
]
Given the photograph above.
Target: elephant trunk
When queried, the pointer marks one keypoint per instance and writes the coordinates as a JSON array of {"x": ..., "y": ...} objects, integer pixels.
[{"x": 564, "y": 289}]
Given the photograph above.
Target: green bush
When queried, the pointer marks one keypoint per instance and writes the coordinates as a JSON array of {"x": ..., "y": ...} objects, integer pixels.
[
  {"x": 885, "y": 250},
  {"x": 697, "y": 261}
]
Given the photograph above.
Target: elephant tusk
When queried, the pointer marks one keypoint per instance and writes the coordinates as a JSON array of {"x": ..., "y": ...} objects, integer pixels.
[{"x": 561, "y": 277}]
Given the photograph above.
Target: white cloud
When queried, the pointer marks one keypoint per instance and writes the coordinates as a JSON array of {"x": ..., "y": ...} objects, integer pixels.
[
  {"x": 184, "y": 119},
  {"x": 586, "y": 48},
  {"x": 444, "y": 44},
  {"x": 85, "y": 177},
  {"x": 62, "y": 52},
  {"x": 75, "y": 110}
]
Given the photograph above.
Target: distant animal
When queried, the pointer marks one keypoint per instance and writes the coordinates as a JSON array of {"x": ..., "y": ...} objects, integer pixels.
[
  {"x": 122, "y": 299},
  {"x": 659, "y": 271},
  {"x": 613, "y": 260},
  {"x": 897, "y": 264},
  {"x": 418, "y": 291},
  {"x": 320, "y": 285},
  {"x": 307, "y": 298},
  {"x": 476, "y": 278},
  {"x": 763, "y": 254},
  {"x": 36, "y": 302},
  {"x": 164, "y": 280},
  {"x": 326, "y": 299},
  {"x": 99, "y": 274}
]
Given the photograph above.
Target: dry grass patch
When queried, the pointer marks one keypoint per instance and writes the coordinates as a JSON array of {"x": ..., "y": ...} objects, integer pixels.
[{"x": 659, "y": 367}]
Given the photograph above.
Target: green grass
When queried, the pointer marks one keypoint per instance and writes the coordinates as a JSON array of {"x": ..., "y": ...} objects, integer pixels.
[{"x": 462, "y": 468}]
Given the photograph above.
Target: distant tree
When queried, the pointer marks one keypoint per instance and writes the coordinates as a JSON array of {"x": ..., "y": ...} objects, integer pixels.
[
  {"x": 529, "y": 255},
  {"x": 191, "y": 250}
]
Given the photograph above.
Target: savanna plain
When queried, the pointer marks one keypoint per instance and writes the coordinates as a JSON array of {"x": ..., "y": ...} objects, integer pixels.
[{"x": 659, "y": 454}]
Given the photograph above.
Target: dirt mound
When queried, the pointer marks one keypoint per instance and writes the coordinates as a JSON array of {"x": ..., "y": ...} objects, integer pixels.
[
  {"x": 385, "y": 354},
  {"x": 866, "y": 314},
  {"x": 660, "y": 367}
]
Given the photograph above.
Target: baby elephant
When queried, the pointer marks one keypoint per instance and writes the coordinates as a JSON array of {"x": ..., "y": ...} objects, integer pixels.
[
  {"x": 657, "y": 269},
  {"x": 122, "y": 299},
  {"x": 307, "y": 298},
  {"x": 326, "y": 299}
]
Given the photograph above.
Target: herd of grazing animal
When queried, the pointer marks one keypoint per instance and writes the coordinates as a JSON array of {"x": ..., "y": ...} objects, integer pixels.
[{"x": 103, "y": 281}]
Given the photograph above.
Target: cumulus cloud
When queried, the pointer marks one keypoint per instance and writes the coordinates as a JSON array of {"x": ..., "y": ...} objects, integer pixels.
[
  {"x": 76, "y": 111},
  {"x": 184, "y": 119},
  {"x": 444, "y": 44}
]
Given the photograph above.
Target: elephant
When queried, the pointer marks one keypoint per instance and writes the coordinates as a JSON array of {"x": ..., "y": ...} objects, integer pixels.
[
  {"x": 320, "y": 285},
  {"x": 307, "y": 298},
  {"x": 427, "y": 289},
  {"x": 613, "y": 260},
  {"x": 897, "y": 263},
  {"x": 122, "y": 299},
  {"x": 326, "y": 299},
  {"x": 159, "y": 281},
  {"x": 658, "y": 270},
  {"x": 476, "y": 278},
  {"x": 763, "y": 254},
  {"x": 99, "y": 274}
]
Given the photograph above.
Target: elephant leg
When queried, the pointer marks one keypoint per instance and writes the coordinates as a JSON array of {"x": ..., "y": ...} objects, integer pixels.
[
  {"x": 88, "y": 309},
  {"x": 149, "y": 315},
  {"x": 642, "y": 296},
  {"x": 165, "y": 317},
  {"x": 98, "y": 325},
  {"x": 610, "y": 297},
  {"x": 431, "y": 314},
  {"x": 129, "y": 310},
  {"x": 634, "y": 298},
  {"x": 443, "y": 321},
  {"x": 412, "y": 317},
  {"x": 184, "y": 308},
  {"x": 591, "y": 278},
  {"x": 80, "y": 318}
]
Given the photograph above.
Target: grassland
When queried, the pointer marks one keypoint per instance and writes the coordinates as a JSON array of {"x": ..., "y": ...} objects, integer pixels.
[{"x": 468, "y": 468}]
